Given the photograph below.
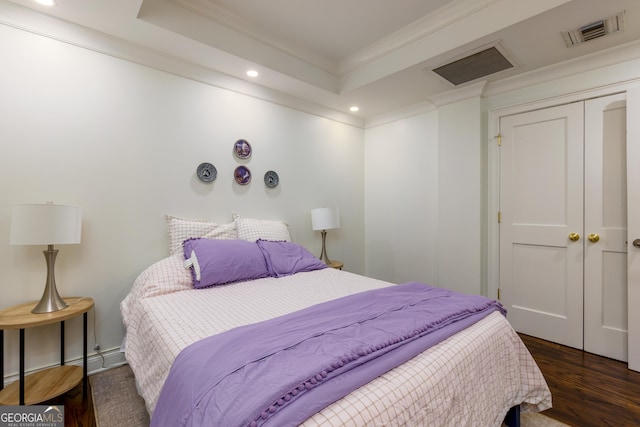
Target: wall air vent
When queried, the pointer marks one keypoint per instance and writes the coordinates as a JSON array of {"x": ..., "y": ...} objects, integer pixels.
[
  {"x": 594, "y": 30},
  {"x": 474, "y": 66}
]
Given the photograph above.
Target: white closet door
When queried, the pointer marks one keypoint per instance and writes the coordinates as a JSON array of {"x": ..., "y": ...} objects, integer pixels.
[
  {"x": 633, "y": 225},
  {"x": 541, "y": 205},
  {"x": 605, "y": 229}
]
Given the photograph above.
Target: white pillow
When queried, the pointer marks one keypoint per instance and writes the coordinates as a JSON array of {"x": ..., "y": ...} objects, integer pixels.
[
  {"x": 254, "y": 229},
  {"x": 181, "y": 229}
]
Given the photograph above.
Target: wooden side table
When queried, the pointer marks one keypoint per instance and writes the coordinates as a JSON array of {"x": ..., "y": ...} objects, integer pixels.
[
  {"x": 48, "y": 383},
  {"x": 336, "y": 264}
]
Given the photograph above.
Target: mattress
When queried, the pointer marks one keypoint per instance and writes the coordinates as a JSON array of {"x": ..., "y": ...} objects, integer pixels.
[{"x": 472, "y": 378}]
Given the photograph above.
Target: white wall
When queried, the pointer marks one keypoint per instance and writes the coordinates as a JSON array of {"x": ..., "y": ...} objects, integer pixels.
[
  {"x": 401, "y": 200},
  {"x": 460, "y": 196},
  {"x": 424, "y": 198},
  {"x": 123, "y": 141}
]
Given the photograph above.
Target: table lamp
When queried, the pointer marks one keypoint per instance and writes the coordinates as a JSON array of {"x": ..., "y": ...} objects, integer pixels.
[
  {"x": 324, "y": 219},
  {"x": 46, "y": 224}
]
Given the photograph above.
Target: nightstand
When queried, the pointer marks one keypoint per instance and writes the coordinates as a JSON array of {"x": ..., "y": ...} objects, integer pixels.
[
  {"x": 48, "y": 383},
  {"x": 336, "y": 264}
]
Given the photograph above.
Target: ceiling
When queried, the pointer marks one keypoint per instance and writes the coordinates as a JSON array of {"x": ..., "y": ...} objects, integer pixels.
[{"x": 328, "y": 55}]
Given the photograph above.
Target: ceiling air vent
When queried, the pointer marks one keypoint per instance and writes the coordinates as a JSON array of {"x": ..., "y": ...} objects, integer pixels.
[
  {"x": 594, "y": 30},
  {"x": 474, "y": 66}
]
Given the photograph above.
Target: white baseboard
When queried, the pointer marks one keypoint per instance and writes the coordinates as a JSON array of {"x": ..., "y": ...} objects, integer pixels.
[{"x": 111, "y": 358}]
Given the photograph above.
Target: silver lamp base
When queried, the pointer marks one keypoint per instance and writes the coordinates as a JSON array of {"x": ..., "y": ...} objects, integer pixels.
[
  {"x": 323, "y": 255},
  {"x": 50, "y": 300}
]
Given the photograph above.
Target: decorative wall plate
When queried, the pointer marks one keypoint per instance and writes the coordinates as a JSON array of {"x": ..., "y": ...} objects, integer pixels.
[
  {"x": 242, "y": 175},
  {"x": 206, "y": 172},
  {"x": 271, "y": 179},
  {"x": 242, "y": 149}
]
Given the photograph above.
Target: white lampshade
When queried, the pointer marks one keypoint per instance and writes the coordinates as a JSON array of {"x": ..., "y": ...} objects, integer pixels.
[
  {"x": 325, "y": 218},
  {"x": 45, "y": 224}
]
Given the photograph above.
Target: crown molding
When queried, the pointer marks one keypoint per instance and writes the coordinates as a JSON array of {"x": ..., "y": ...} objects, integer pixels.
[
  {"x": 604, "y": 68},
  {"x": 423, "y": 27},
  {"x": 599, "y": 69},
  {"x": 478, "y": 22},
  {"x": 23, "y": 19},
  {"x": 469, "y": 91},
  {"x": 240, "y": 25},
  {"x": 403, "y": 113},
  {"x": 608, "y": 70}
]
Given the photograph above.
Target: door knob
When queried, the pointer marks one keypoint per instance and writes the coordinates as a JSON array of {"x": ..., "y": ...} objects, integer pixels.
[
  {"x": 593, "y": 237},
  {"x": 636, "y": 243},
  {"x": 574, "y": 237}
]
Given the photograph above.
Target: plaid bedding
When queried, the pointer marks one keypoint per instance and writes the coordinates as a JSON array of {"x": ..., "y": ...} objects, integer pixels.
[{"x": 472, "y": 378}]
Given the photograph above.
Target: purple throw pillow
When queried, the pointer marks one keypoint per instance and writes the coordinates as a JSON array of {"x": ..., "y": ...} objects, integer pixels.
[
  {"x": 286, "y": 258},
  {"x": 216, "y": 262}
]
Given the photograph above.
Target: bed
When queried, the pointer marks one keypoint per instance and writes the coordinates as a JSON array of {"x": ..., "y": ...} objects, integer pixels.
[{"x": 473, "y": 377}]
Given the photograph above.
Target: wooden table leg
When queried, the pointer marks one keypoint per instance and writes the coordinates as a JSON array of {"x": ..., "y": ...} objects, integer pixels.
[
  {"x": 22, "y": 366},
  {"x": 62, "y": 343},
  {"x": 1, "y": 359},
  {"x": 84, "y": 355}
]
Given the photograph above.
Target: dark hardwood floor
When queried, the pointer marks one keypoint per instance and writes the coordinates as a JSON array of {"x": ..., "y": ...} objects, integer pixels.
[
  {"x": 78, "y": 412},
  {"x": 588, "y": 390}
]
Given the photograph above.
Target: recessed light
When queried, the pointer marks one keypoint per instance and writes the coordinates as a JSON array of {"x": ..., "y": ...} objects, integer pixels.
[
  {"x": 46, "y": 2},
  {"x": 354, "y": 109},
  {"x": 252, "y": 73}
]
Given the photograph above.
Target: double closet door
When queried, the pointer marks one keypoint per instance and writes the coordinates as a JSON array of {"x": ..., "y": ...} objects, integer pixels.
[{"x": 563, "y": 224}]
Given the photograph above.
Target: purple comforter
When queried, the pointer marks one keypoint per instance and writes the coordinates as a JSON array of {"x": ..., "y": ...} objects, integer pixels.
[{"x": 281, "y": 371}]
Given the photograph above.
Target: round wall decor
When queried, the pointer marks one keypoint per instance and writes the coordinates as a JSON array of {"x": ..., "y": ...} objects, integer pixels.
[
  {"x": 242, "y": 149},
  {"x": 242, "y": 175},
  {"x": 271, "y": 179},
  {"x": 206, "y": 172}
]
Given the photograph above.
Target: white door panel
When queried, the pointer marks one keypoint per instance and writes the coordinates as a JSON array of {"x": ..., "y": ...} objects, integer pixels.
[
  {"x": 540, "y": 291},
  {"x": 605, "y": 263},
  {"x": 633, "y": 217},
  {"x": 541, "y": 200}
]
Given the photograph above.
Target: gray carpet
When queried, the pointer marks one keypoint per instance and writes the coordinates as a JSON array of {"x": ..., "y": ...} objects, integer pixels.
[
  {"x": 116, "y": 401},
  {"x": 117, "y": 404}
]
